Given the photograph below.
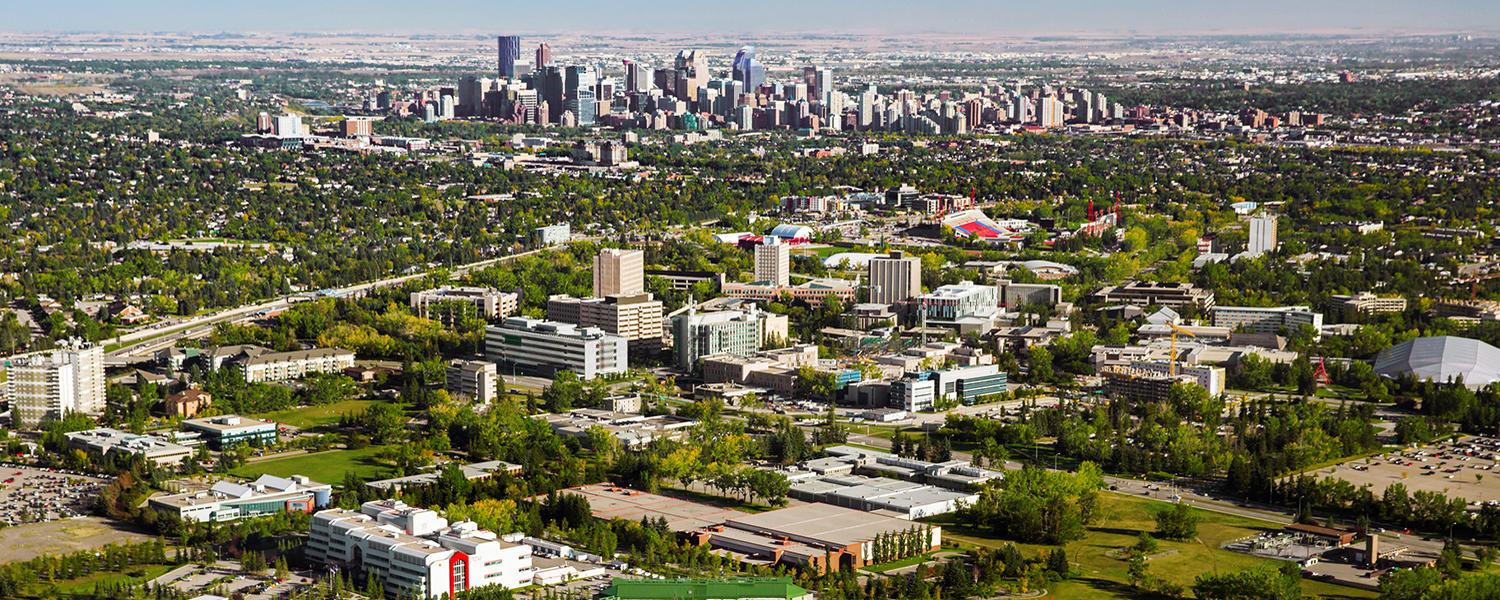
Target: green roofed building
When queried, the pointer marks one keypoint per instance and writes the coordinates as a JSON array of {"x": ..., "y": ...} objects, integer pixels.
[{"x": 749, "y": 588}]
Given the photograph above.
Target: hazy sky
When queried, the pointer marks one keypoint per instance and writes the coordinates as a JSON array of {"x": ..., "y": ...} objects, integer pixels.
[{"x": 1000, "y": 16}]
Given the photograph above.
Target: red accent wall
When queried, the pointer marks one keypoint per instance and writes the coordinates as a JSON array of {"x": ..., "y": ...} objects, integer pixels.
[{"x": 468, "y": 571}]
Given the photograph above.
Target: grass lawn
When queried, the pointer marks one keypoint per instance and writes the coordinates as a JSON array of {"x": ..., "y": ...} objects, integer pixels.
[
  {"x": 326, "y": 467},
  {"x": 308, "y": 417},
  {"x": 1097, "y": 576},
  {"x": 905, "y": 562},
  {"x": 85, "y": 584}
]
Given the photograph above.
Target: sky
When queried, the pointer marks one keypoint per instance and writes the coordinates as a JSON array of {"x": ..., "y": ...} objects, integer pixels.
[{"x": 728, "y": 16}]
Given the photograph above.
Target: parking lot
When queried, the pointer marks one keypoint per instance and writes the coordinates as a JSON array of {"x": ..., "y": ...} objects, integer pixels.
[
  {"x": 225, "y": 578},
  {"x": 29, "y": 495},
  {"x": 1463, "y": 469}
]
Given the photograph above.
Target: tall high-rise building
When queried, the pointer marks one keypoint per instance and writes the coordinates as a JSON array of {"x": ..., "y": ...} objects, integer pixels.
[
  {"x": 896, "y": 278},
  {"x": 773, "y": 263},
  {"x": 471, "y": 91},
  {"x": 867, "y": 107},
  {"x": 50, "y": 386},
  {"x": 637, "y": 77},
  {"x": 619, "y": 272},
  {"x": 692, "y": 73},
  {"x": 1262, "y": 234},
  {"x": 578, "y": 87},
  {"x": 747, "y": 70},
  {"x": 543, "y": 56},
  {"x": 509, "y": 51},
  {"x": 1049, "y": 111},
  {"x": 550, "y": 85}
]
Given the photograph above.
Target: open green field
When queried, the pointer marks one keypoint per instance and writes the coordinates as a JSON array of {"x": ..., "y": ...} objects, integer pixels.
[
  {"x": 326, "y": 467},
  {"x": 85, "y": 584},
  {"x": 1098, "y": 577},
  {"x": 308, "y": 417}
]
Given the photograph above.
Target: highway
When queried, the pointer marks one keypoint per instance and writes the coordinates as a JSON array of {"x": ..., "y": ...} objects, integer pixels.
[{"x": 145, "y": 341}]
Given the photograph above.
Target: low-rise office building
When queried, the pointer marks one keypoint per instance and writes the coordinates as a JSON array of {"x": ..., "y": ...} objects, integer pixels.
[
  {"x": 637, "y": 318},
  {"x": 229, "y": 501},
  {"x": 632, "y": 430},
  {"x": 548, "y": 347},
  {"x": 1157, "y": 293},
  {"x": 1367, "y": 303},
  {"x": 1266, "y": 319},
  {"x": 227, "y": 431},
  {"x": 471, "y": 472},
  {"x": 812, "y": 292},
  {"x": 908, "y": 499},
  {"x": 415, "y": 552},
  {"x": 113, "y": 442}
]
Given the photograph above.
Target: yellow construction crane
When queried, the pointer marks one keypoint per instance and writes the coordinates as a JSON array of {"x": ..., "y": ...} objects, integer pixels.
[{"x": 1173, "y": 368}]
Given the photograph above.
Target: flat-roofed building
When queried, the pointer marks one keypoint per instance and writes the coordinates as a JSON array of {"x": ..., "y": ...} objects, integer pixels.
[
  {"x": 1141, "y": 385},
  {"x": 227, "y": 431},
  {"x": 1157, "y": 293},
  {"x": 697, "y": 335},
  {"x": 773, "y": 263},
  {"x": 490, "y": 303},
  {"x": 1019, "y": 294},
  {"x": 637, "y": 318},
  {"x": 548, "y": 346},
  {"x": 1366, "y": 303},
  {"x": 813, "y": 292},
  {"x": 909, "y": 499},
  {"x": 633, "y": 430},
  {"x": 845, "y": 534},
  {"x": 112, "y": 442},
  {"x": 476, "y": 380},
  {"x": 1266, "y": 319},
  {"x": 415, "y": 552},
  {"x": 895, "y": 279},
  {"x": 471, "y": 472},
  {"x": 551, "y": 235},
  {"x": 618, "y": 271},
  {"x": 229, "y": 501},
  {"x": 50, "y": 385}
]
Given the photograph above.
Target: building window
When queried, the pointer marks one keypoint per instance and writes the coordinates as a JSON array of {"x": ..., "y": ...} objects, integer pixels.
[{"x": 460, "y": 575}]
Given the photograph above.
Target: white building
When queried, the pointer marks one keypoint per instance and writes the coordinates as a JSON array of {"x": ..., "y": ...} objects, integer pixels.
[
  {"x": 280, "y": 366},
  {"x": 914, "y": 395},
  {"x": 290, "y": 126},
  {"x": 50, "y": 385},
  {"x": 1262, "y": 234},
  {"x": 415, "y": 551},
  {"x": 229, "y": 501},
  {"x": 549, "y": 346},
  {"x": 696, "y": 335},
  {"x": 1266, "y": 319},
  {"x": 491, "y": 303},
  {"x": 474, "y": 379},
  {"x": 552, "y": 235},
  {"x": 773, "y": 263}
]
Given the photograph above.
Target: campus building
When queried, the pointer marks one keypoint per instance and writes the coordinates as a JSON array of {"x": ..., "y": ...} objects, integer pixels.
[
  {"x": 1365, "y": 302},
  {"x": 1148, "y": 293},
  {"x": 1266, "y": 319},
  {"x": 895, "y": 279},
  {"x": 476, "y": 380},
  {"x": 113, "y": 442},
  {"x": 490, "y": 303},
  {"x": 227, "y": 431},
  {"x": 619, "y": 272},
  {"x": 637, "y": 318},
  {"x": 229, "y": 501},
  {"x": 1141, "y": 385},
  {"x": 696, "y": 335},
  {"x": 813, "y": 292},
  {"x": 414, "y": 551},
  {"x": 548, "y": 347}
]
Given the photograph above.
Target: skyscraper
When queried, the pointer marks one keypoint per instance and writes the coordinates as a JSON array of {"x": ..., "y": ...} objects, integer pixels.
[
  {"x": 773, "y": 263},
  {"x": 620, "y": 272},
  {"x": 747, "y": 70},
  {"x": 637, "y": 77},
  {"x": 550, "y": 85},
  {"x": 509, "y": 51},
  {"x": 896, "y": 278},
  {"x": 692, "y": 73},
  {"x": 578, "y": 86},
  {"x": 1049, "y": 111},
  {"x": 543, "y": 56}
]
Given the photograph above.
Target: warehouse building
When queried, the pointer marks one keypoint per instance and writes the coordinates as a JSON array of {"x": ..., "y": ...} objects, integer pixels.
[
  {"x": 903, "y": 498},
  {"x": 954, "y": 474}
]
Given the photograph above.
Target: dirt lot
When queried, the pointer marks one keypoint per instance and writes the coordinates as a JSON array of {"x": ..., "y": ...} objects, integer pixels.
[
  {"x": 26, "y": 542},
  {"x": 1463, "y": 469}
]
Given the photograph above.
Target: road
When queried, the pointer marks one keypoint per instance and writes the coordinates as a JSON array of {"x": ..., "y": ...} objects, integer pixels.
[{"x": 142, "y": 342}]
